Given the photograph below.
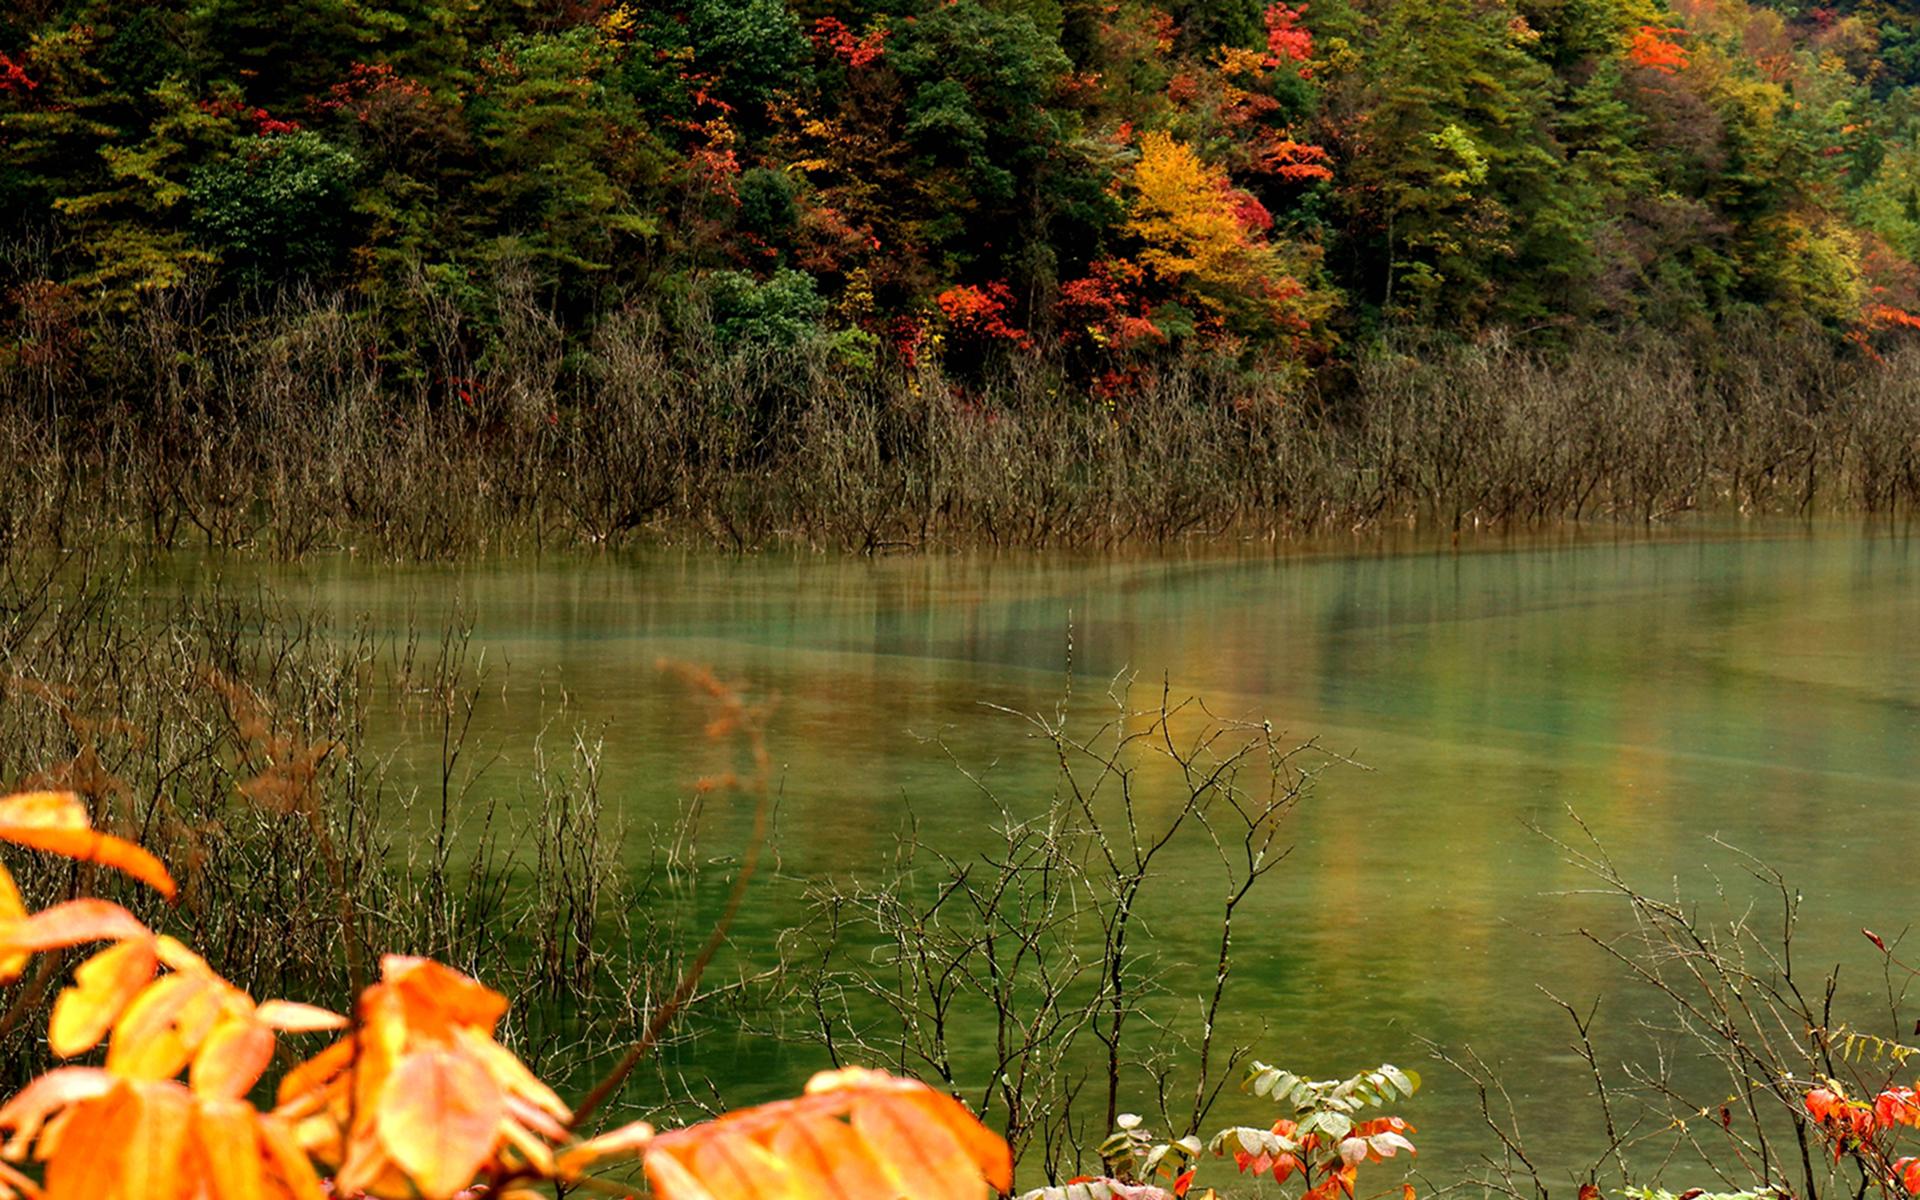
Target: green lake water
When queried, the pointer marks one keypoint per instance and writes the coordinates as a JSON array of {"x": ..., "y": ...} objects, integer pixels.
[{"x": 1762, "y": 687}]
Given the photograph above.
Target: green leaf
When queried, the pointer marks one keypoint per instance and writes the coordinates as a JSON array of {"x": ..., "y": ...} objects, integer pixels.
[{"x": 1399, "y": 1079}]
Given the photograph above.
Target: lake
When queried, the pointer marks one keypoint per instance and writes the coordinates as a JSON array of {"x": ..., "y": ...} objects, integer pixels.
[{"x": 1762, "y": 686}]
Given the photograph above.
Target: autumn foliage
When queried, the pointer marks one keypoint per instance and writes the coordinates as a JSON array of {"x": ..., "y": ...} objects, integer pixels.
[
  {"x": 1866, "y": 1130},
  {"x": 416, "y": 1097},
  {"x": 1658, "y": 49},
  {"x": 1460, "y": 167}
]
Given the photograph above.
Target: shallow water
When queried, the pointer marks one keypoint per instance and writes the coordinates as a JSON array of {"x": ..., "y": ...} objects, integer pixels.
[{"x": 1761, "y": 687}]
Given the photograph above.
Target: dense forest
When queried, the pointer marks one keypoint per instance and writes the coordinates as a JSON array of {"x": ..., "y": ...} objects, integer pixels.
[
  {"x": 1104, "y": 183},
  {"x": 878, "y": 273}
]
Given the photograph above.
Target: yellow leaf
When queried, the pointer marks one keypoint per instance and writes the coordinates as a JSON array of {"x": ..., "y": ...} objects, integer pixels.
[
  {"x": 57, "y": 822},
  {"x": 439, "y": 1118},
  {"x": 177, "y": 957},
  {"x": 12, "y": 908},
  {"x": 152, "y": 1039},
  {"x": 102, "y": 988}
]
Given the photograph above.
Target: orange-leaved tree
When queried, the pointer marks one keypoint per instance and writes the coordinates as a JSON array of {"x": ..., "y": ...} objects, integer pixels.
[{"x": 416, "y": 1097}]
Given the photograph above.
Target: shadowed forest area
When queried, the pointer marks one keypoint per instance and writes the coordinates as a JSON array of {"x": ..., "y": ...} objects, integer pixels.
[{"x": 905, "y": 274}]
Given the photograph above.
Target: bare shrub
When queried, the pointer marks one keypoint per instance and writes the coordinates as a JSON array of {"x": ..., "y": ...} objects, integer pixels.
[
  {"x": 1034, "y": 948},
  {"x": 297, "y": 427}
]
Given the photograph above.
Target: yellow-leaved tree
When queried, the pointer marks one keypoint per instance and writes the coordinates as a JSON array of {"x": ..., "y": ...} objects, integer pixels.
[{"x": 1207, "y": 241}]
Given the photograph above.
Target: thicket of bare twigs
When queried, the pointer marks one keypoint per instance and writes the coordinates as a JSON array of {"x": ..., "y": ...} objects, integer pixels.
[
  {"x": 287, "y": 431},
  {"x": 255, "y": 748},
  {"x": 1699, "y": 1072},
  {"x": 232, "y": 733},
  {"x": 1020, "y": 974}
]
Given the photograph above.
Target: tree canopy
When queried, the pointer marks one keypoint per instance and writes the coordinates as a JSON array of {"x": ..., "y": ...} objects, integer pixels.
[{"x": 1268, "y": 181}]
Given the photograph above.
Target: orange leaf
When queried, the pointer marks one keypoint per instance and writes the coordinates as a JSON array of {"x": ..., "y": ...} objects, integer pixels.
[
  {"x": 232, "y": 1059},
  {"x": 366, "y": 1167},
  {"x": 102, "y": 988},
  {"x": 129, "y": 1142},
  {"x": 534, "y": 1153},
  {"x": 224, "y": 1130},
  {"x": 73, "y": 923},
  {"x": 57, "y": 822},
  {"x": 626, "y": 1140},
  {"x": 433, "y": 995},
  {"x": 155, "y": 1144},
  {"x": 87, "y": 1167},
  {"x": 985, "y": 1150},
  {"x": 305, "y": 1082},
  {"x": 59, "y": 1088},
  {"x": 924, "y": 1158},
  {"x": 735, "y": 1167},
  {"x": 829, "y": 1151},
  {"x": 855, "y": 1132},
  {"x": 289, "y": 1162},
  {"x": 14, "y": 1184},
  {"x": 509, "y": 1072},
  {"x": 536, "y": 1119},
  {"x": 288, "y": 1017},
  {"x": 439, "y": 1116}
]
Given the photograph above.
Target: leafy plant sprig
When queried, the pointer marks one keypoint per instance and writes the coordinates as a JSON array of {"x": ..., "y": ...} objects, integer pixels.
[{"x": 1322, "y": 1139}]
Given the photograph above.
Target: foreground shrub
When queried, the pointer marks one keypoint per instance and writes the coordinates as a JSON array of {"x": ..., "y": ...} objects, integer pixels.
[{"x": 417, "y": 1099}]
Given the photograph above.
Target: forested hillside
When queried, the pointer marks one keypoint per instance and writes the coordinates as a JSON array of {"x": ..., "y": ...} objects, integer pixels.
[{"x": 1104, "y": 183}]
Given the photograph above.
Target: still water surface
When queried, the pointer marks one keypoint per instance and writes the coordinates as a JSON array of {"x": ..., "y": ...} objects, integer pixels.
[{"x": 1764, "y": 688}]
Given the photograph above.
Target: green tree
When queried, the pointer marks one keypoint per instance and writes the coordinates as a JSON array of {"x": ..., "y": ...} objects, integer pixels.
[
  {"x": 782, "y": 310},
  {"x": 1446, "y": 156},
  {"x": 564, "y": 159},
  {"x": 755, "y": 47},
  {"x": 278, "y": 207},
  {"x": 981, "y": 117},
  {"x": 129, "y": 232}
]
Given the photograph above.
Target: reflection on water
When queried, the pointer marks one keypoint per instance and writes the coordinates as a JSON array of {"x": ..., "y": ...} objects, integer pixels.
[{"x": 1765, "y": 689}]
